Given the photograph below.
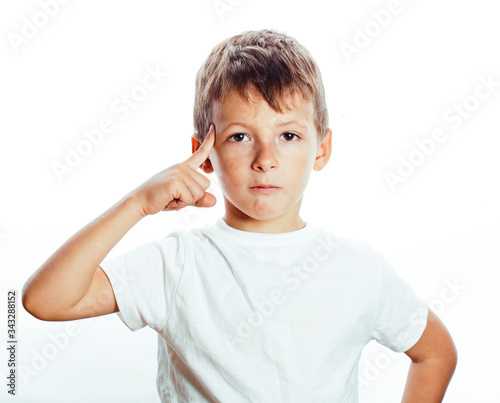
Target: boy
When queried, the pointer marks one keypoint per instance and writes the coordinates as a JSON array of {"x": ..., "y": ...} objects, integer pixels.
[{"x": 260, "y": 305}]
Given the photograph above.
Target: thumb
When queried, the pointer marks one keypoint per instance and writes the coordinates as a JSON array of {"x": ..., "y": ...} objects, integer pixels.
[{"x": 208, "y": 200}]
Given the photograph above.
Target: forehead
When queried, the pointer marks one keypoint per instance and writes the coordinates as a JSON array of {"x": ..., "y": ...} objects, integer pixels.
[{"x": 236, "y": 108}]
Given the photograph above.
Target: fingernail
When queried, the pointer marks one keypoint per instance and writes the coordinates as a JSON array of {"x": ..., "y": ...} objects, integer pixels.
[{"x": 210, "y": 129}]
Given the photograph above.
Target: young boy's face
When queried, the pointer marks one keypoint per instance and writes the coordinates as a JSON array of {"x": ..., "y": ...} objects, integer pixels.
[{"x": 254, "y": 145}]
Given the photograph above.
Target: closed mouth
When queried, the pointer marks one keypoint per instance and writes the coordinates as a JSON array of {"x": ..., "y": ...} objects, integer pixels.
[{"x": 264, "y": 187}]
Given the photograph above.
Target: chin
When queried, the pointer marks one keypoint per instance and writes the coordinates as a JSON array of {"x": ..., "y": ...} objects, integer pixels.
[
  {"x": 263, "y": 212},
  {"x": 263, "y": 215},
  {"x": 255, "y": 214}
]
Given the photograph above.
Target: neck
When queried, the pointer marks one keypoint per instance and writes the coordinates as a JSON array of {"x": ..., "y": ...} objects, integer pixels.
[{"x": 287, "y": 222}]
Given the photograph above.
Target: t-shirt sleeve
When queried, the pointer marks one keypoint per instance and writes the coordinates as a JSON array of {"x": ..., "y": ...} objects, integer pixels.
[
  {"x": 401, "y": 315},
  {"x": 144, "y": 281}
]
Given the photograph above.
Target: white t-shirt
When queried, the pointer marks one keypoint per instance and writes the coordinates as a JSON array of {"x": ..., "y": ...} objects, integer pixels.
[{"x": 254, "y": 317}]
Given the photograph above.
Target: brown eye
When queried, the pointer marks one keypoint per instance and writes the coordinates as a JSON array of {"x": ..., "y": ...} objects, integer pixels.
[
  {"x": 290, "y": 133},
  {"x": 237, "y": 135}
]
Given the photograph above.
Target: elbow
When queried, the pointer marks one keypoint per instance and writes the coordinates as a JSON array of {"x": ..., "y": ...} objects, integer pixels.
[
  {"x": 30, "y": 306},
  {"x": 40, "y": 307},
  {"x": 33, "y": 311},
  {"x": 25, "y": 298}
]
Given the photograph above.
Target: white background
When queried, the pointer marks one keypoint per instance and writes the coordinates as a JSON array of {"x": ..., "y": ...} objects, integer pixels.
[{"x": 438, "y": 228}]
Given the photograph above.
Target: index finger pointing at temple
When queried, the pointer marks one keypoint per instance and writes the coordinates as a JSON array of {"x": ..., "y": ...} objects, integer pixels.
[{"x": 201, "y": 154}]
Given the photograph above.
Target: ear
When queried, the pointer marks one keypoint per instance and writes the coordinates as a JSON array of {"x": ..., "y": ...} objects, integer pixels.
[
  {"x": 195, "y": 144},
  {"x": 324, "y": 151}
]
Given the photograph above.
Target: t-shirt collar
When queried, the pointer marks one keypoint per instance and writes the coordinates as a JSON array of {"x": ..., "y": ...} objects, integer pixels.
[{"x": 273, "y": 238}]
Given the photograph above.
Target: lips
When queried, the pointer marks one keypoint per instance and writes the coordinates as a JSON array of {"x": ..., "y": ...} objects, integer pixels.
[
  {"x": 265, "y": 189},
  {"x": 265, "y": 186}
]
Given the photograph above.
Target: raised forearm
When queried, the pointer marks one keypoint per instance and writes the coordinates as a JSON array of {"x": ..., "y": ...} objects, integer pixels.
[
  {"x": 65, "y": 276},
  {"x": 428, "y": 380}
]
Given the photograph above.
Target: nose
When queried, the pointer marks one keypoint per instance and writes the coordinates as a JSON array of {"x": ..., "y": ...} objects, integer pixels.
[{"x": 265, "y": 158}]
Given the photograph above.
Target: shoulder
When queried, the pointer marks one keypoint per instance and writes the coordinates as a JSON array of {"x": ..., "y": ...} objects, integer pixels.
[
  {"x": 186, "y": 238},
  {"x": 355, "y": 257},
  {"x": 355, "y": 247}
]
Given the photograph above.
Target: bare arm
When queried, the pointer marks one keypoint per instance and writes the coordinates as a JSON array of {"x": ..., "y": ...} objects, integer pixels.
[
  {"x": 55, "y": 290},
  {"x": 434, "y": 359},
  {"x": 71, "y": 284}
]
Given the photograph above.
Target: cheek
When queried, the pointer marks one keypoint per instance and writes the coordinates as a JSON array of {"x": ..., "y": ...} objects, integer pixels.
[
  {"x": 302, "y": 161},
  {"x": 230, "y": 171},
  {"x": 231, "y": 166},
  {"x": 301, "y": 169}
]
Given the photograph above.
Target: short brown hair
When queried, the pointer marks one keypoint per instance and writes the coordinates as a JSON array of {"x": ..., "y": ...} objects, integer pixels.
[{"x": 271, "y": 63}]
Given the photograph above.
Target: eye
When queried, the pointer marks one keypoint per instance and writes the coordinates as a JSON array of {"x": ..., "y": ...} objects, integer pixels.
[
  {"x": 293, "y": 134},
  {"x": 237, "y": 134}
]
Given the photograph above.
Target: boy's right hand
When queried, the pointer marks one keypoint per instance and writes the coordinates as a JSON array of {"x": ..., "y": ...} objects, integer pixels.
[{"x": 179, "y": 185}]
